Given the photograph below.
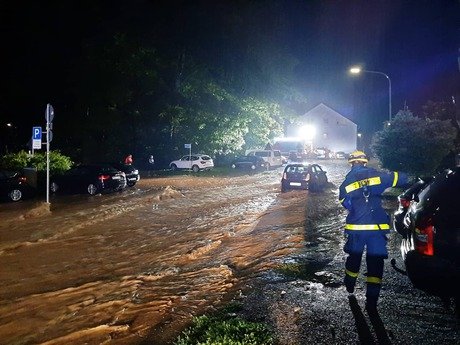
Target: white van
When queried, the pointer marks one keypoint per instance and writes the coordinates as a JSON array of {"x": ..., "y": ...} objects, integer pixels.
[{"x": 272, "y": 158}]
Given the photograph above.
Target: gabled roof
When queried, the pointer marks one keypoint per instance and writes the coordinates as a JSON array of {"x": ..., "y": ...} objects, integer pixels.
[{"x": 322, "y": 108}]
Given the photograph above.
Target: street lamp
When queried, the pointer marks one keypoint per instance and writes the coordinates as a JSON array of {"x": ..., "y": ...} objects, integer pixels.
[
  {"x": 358, "y": 70},
  {"x": 360, "y": 146}
]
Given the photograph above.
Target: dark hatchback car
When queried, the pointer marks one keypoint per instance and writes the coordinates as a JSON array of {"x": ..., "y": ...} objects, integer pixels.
[
  {"x": 248, "y": 162},
  {"x": 132, "y": 173},
  {"x": 303, "y": 176},
  {"x": 90, "y": 178},
  {"x": 430, "y": 233},
  {"x": 14, "y": 186}
]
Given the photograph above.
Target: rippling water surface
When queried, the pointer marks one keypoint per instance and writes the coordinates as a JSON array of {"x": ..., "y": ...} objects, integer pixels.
[{"x": 124, "y": 267}]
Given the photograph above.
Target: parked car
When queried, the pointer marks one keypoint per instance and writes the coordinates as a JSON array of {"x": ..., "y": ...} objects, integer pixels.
[
  {"x": 195, "y": 162},
  {"x": 404, "y": 201},
  {"x": 341, "y": 155},
  {"x": 14, "y": 186},
  {"x": 89, "y": 178},
  {"x": 303, "y": 176},
  {"x": 272, "y": 158},
  {"x": 321, "y": 153},
  {"x": 249, "y": 162},
  {"x": 132, "y": 173},
  {"x": 430, "y": 233}
]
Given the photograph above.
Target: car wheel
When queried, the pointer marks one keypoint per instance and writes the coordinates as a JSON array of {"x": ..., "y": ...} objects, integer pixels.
[
  {"x": 233, "y": 166},
  {"x": 173, "y": 167},
  {"x": 15, "y": 195},
  {"x": 54, "y": 187},
  {"x": 195, "y": 168},
  {"x": 92, "y": 189}
]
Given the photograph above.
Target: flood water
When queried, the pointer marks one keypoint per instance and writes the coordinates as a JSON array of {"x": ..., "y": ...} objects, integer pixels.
[
  {"x": 135, "y": 267},
  {"x": 125, "y": 267}
]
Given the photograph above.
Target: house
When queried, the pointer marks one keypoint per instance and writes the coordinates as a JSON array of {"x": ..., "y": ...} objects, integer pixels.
[{"x": 333, "y": 131}]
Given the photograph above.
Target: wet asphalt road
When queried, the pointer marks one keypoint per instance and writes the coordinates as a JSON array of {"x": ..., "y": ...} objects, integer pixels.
[{"x": 310, "y": 305}]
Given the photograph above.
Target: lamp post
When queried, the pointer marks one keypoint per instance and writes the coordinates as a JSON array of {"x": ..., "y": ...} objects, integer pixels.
[{"x": 358, "y": 70}]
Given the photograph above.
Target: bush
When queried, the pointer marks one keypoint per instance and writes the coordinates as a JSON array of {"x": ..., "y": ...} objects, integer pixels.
[
  {"x": 15, "y": 161},
  {"x": 414, "y": 145},
  {"x": 18, "y": 161}
]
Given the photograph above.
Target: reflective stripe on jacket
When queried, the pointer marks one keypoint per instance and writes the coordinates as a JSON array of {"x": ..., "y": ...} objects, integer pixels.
[{"x": 360, "y": 193}]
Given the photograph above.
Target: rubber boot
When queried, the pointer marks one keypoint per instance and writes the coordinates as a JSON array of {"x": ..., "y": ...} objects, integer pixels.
[{"x": 371, "y": 304}]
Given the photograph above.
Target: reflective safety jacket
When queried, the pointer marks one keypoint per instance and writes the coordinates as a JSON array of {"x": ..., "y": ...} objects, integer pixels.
[{"x": 360, "y": 194}]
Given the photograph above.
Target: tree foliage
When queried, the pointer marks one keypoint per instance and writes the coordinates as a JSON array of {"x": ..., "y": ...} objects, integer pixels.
[
  {"x": 17, "y": 161},
  {"x": 222, "y": 85},
  {"x": 414, "y": 145}
]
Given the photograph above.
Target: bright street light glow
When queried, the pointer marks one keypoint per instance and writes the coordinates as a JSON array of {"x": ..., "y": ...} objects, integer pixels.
[
  {"x": 307, "y": 132},
  {"x": 9, "y": 124},
  {"x": 355, "y": 70}
]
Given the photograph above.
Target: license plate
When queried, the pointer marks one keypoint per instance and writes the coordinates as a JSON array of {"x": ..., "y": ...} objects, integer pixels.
[{"x": 297, "y": 184}]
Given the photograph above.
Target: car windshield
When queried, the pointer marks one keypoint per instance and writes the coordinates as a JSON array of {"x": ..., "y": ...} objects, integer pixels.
[{"x": 296, "y": 169}]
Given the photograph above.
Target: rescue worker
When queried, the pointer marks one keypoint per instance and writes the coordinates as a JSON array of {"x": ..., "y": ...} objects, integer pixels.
[{"x": 367, "y": 223}]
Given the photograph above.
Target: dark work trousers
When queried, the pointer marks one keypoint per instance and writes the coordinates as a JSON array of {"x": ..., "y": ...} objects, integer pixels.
[{"x": 375, "y": 244}]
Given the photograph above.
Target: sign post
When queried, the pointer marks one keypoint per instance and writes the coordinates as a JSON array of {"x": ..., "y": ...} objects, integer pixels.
[
  {"x": 189, "y": 146},
  {"x": 49, "y": 116}
]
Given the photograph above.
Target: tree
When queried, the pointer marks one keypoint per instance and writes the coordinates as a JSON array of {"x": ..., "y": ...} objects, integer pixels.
[
  {"x": 414, "y": 145},
  {"x": 223, "y": 85},
  {"x": 443, "y": 110},
  {"x": 20, "y": 160}
]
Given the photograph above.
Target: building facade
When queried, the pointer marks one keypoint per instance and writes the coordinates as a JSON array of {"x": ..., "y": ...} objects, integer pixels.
[{"x": 332, "y": 130}]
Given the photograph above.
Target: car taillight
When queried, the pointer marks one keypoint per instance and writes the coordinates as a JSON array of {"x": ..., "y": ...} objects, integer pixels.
[
  {"x": 104, "y": 177},
  {"x": 307, "y": 177},
  {"x": 424, "y": 237},
  {"x": 404, "y": 202}
]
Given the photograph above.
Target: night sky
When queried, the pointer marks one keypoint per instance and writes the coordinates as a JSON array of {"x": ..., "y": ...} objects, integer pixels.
[{"x": 415, "y": 42}]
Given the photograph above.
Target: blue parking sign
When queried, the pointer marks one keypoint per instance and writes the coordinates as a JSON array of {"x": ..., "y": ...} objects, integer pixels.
[
  {"x": 36, "y": 138},
  {"x": 36, "y": 133}
]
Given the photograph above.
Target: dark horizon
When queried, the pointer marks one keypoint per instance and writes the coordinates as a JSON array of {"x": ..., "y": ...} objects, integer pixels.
[{"x": 415, "y": 43}]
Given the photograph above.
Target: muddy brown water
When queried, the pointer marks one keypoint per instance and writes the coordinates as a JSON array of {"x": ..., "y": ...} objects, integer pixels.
[
  {"x": 135, "y": 267},
  {"x": 116, "y": 268}
]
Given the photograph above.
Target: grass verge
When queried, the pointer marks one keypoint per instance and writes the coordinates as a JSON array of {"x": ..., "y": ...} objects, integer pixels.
[{"x": 225, "y": 328}]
